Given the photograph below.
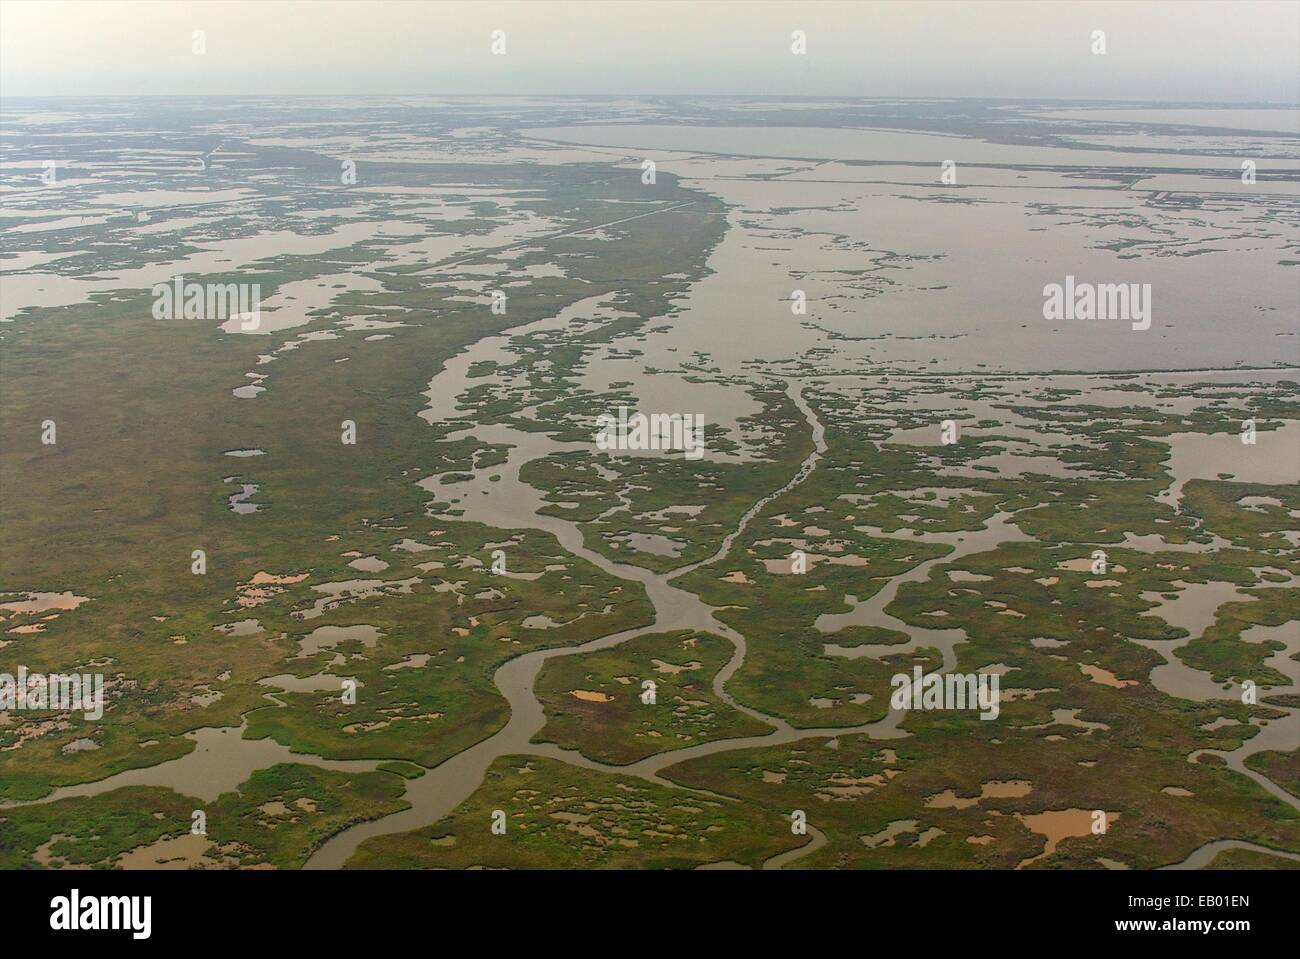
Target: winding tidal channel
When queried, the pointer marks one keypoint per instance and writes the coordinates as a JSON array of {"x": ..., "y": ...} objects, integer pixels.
[
  {"x": 223, "y": 759},
  {"x": 444, "y": 787}
]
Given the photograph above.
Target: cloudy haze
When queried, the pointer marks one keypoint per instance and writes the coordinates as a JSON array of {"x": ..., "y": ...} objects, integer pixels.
[{"x": 1164, "y": 51}]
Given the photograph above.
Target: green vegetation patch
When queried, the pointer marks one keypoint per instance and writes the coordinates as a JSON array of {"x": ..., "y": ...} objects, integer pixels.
[{"x": 594, "y": 702}]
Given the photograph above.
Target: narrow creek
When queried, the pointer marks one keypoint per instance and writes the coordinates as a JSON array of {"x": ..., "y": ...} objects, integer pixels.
[{"x": 1202, "y": 856}]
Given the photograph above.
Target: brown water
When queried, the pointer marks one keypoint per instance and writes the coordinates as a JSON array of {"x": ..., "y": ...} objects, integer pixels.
[
  {"x": 221, "y": 761},
  {"x": 999, "y": 530}
]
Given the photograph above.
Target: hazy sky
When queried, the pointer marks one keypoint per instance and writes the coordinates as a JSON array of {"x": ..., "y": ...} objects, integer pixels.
[{"x": 1181, "y": 50}]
